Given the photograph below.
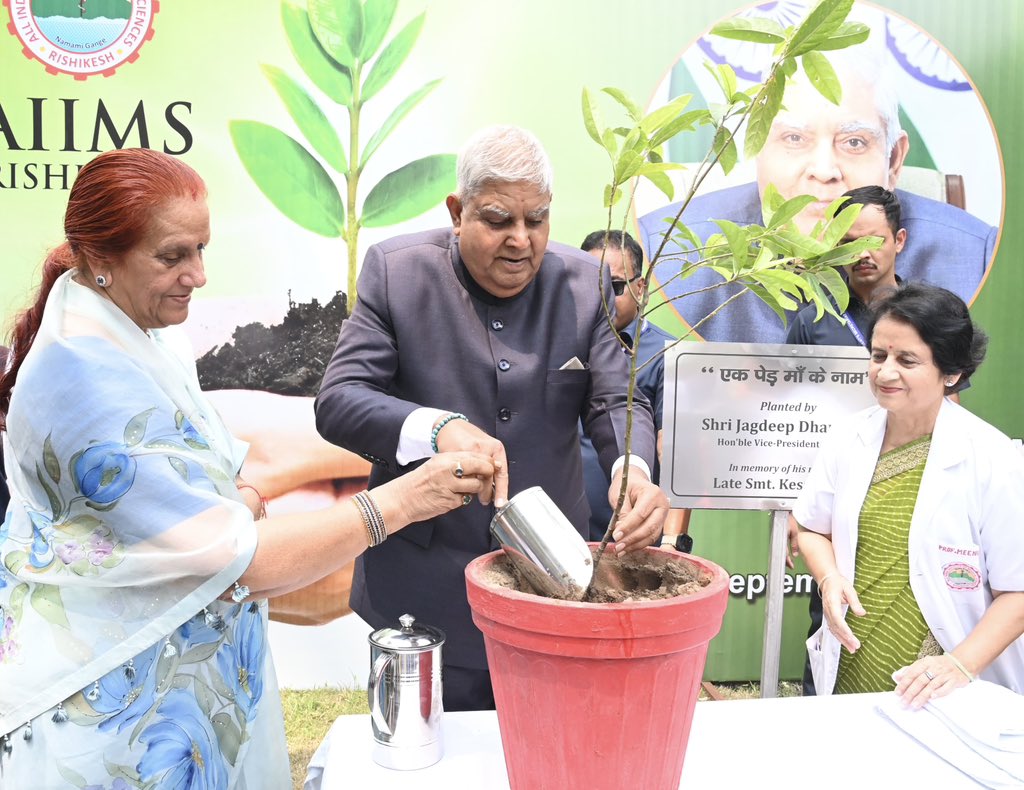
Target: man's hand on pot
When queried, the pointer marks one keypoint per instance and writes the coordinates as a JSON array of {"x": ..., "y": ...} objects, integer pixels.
[
  {"x": 461, "y": 435},
  {"x": 643, "y": 513}
]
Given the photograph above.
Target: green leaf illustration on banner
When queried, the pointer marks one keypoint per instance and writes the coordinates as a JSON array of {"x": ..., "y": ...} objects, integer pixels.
[
  {"x": 327, "y": 74},
  {"x": 308, "y": 117},
  {"x": 289, "y": 176},
  {"x": 394, "y": 119},
  {"x": 392, "y": 58},
  {"x": 338, "y": 26},
  {"x": 377, "y": 16},
  {"x": 409, "y": 191},
  {"x": 334, "y": 43}
]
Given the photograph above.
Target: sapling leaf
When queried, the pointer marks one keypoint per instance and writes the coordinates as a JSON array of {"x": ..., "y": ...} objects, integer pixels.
[
  {"x": 659, "y": 178},
  {"x": 771, "y": 201},
  {"x": 590, "y": 118},
  {"x": 610, "y": 143},
  {"x": 724, "y": 76},
  {"x": 724, "y": 146},
  {"x": 824, "y": 20},
  {"x": 758, "y": 29},
  {"x": 628, "y": 104},
  {"x": 839, "y": 225},
  {"x": 789, "y": 210},
  {"x": 769, "y": 299},
  {"x": 801, "y": 246},
  {"x": 308, "y": 117},
  {"x": 684, "y": 123},
  {"x": 682, "y": 235},
  {"x": 627, "y": 166},
  {"x": 737, "y": 240},
  {"x": 654, "y": 121},
  {"x": 848, "y": 34},
  {"x": 290, "y": 177},
  {"x": 394, "y": 119},
  {"x": 409, "y": 191},
  {"x": 392, "y": 58},
  {"x": 822, "y": 76},
  {"x": 326, "y": 73},
  {"x": 831, "y": 279},
  {"x": 611, "y": 196},
  {"x": 762, "y": 113}
]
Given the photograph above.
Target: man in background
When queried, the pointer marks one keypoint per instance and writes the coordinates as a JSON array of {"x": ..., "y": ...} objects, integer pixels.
[
  {"x": 817, "y": 148},
  {"x": 623, "y": 257}
]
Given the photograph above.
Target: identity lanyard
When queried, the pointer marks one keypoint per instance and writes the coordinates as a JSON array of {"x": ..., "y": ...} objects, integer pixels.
[{"x": 852, "y": 325}]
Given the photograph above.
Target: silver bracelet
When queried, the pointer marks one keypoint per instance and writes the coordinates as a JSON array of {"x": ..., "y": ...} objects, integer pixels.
[{"x": 373, "y": 519}]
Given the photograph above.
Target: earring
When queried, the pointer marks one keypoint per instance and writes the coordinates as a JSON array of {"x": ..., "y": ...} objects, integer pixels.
[
  {"x": 101, "y": 281},
  {"x": 950, "y": 382}
]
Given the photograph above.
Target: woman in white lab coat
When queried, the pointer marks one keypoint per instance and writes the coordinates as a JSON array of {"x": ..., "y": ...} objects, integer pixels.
[{"x": 913, "y": 519}]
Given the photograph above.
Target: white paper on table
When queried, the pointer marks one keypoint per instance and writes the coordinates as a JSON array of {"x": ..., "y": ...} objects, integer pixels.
[{"x": 963, "y": 745}]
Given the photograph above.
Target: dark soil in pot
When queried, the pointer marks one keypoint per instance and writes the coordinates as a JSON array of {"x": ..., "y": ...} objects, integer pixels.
[{"x": 641, "y": 576}]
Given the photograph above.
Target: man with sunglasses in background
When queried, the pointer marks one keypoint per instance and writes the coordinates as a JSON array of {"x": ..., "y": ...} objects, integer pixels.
[{"x": 623, "y": 257}]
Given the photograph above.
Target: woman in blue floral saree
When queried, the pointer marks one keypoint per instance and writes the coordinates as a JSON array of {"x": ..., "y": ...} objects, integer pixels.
[{"x": 134, "y": 563}]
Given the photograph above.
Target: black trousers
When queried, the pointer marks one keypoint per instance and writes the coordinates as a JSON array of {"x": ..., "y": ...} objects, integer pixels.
[
  {"x": 815, "y": 610},
  {"x": 466, "y": 689}
]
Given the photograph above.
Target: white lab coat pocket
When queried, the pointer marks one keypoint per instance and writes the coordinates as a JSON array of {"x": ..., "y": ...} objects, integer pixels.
[{"x": 819, "y": 663}]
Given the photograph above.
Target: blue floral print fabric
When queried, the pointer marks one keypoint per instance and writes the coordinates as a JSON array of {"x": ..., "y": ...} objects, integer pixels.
[{"x": 118, "y": 665}]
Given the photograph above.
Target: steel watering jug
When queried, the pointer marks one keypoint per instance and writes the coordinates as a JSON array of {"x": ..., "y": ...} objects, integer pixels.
[{"x": 404, "y": 694}]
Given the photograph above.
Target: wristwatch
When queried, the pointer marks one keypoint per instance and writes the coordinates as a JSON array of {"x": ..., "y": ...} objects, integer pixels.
[{"x": 682, "y": 542}]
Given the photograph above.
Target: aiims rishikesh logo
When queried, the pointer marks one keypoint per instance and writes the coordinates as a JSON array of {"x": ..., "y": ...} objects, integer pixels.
[{"x": 82, "y": 37}]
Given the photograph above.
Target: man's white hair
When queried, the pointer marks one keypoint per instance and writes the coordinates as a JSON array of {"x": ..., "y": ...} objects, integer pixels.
[
  {"x": 502, "y": 154},
  {"x": 865, "y": 62}
]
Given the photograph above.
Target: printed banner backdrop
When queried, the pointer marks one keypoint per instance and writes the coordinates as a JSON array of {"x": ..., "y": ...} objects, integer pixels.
[{"x": 208, "y": 80}]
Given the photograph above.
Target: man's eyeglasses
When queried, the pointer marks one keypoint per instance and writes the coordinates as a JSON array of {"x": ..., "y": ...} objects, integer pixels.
[{"x": 619, "y": 286}]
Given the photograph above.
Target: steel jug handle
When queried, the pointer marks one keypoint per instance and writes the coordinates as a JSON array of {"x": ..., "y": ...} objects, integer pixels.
[{"x": 373, "y": 688}]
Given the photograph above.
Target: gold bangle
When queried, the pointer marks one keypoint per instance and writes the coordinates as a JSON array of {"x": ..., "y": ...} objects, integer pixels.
[
  {"x": 959, "y": 665},
  {"x": 825, "y": 578}
]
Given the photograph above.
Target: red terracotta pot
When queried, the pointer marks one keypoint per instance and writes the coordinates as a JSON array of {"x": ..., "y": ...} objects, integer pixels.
[{"x": 595, "y": 695}]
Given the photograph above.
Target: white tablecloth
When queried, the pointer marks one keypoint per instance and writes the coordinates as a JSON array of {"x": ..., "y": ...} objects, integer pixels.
[{"x": 823, "y": 743}]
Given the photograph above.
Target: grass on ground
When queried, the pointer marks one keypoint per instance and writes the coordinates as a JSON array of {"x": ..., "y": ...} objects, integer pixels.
[{"x": 308, "y": 714}]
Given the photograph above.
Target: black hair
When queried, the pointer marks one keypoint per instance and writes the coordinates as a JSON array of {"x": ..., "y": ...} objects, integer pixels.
[
  {"x": 881, "y": 197},
  {"x": 617, "y": 239},
  {"x": 941, "y": 319}
]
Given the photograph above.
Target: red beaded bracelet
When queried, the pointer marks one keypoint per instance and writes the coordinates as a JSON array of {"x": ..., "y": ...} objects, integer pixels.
[{"x": 262, "y": 512}]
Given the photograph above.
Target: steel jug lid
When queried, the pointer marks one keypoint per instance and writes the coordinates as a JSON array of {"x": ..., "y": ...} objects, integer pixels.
[{"x": 412, "y": 636}]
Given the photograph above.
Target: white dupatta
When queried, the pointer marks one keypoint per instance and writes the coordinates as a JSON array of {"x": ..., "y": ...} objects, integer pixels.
[{"x": 124, "y": 519}]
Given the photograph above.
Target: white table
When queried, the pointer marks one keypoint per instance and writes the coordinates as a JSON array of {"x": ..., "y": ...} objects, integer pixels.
[{"x": 820, "y": 743}]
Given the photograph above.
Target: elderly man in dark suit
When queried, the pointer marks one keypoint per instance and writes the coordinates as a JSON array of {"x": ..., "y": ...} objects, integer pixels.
[{"x": 484, "y": 337}]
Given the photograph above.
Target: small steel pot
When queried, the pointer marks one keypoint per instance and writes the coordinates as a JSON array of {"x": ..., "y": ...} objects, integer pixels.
[
  {"x": 404, "y": 694},
  {"x": 544, "y": 545}
]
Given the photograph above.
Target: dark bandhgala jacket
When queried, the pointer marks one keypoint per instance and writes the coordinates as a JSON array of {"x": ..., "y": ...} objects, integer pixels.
[{"x": 424, "y": 334}]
